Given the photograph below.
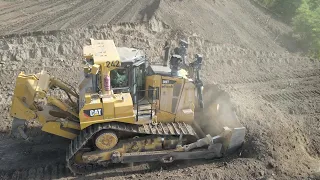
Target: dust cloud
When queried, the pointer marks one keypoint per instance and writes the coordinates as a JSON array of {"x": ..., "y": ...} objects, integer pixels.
[{"x": 218, "y": 111}]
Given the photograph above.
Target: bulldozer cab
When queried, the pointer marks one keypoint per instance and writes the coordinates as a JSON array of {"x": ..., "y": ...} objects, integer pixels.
[{"x": 130, "y": 77}]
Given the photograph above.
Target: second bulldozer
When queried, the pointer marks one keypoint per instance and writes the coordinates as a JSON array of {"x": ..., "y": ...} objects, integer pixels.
[{"x": 124, "y": 110}]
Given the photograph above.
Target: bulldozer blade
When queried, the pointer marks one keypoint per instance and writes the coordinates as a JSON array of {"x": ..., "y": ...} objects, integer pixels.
[
  {"x": 19, "y": 127},
  {"x": 237, "y": 139}
]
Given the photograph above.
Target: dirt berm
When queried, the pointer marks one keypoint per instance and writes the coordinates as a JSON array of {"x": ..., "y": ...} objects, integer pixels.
[{"x": 275, "y": 94}]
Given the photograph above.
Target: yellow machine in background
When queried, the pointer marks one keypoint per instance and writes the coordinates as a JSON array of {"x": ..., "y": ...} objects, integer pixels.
[{"x": 124, "y": 110}]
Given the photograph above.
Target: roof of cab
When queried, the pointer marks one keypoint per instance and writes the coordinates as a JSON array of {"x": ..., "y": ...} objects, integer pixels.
[{"x": 130, "y": 54}]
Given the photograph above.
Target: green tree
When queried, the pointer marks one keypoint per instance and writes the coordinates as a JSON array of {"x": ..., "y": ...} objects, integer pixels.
[
  {"x": 306, "y": 23},
  {"x": 285, "y": 8},
  {"x": 305, "y": 18}
]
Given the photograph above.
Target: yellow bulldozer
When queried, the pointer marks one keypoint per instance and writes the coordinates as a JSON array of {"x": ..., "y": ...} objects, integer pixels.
[{"x": 125, "y": 110}]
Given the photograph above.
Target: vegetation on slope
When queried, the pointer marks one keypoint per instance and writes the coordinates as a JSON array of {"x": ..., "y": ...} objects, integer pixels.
[{"x": 305, "y": 18}]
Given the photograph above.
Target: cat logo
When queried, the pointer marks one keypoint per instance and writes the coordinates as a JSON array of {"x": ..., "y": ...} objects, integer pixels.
[
  {"x": 93, "y": 112},
  {"x": 167, "y": 81}
]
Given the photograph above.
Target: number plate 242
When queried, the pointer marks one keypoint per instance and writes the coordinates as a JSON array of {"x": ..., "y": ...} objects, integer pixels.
[{"x": 110, "y": 64}]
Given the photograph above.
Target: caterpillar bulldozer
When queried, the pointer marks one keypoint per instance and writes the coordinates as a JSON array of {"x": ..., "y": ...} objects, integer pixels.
[{"x": 125, "y": 110}]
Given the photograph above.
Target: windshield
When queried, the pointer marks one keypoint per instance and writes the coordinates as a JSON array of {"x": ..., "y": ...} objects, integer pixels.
[{"x": 119, "y": 78}]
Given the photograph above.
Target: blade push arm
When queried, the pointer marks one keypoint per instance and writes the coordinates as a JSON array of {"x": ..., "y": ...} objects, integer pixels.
[
  {"x": 54, "y": 82},
  {"x": 31, "y": 101}
]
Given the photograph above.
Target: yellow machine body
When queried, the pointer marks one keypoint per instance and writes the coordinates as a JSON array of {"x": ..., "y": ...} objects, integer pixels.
[
  {"x": 104, "y": 107},
  {"x": 31, "y": 88},
  {"x": 174, "y": 97},
  {"x": 150, "y": 118},
  {"x": 174, "y": 102}
]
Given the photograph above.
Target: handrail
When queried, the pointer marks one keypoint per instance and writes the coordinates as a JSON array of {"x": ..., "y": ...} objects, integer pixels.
[{"x": 150, "y": 103}]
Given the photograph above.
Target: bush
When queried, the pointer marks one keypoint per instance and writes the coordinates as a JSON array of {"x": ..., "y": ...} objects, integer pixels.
[
  {"x": 305, "y": 18},
  {"x": 285, "y": 8},
  {"x": 306, "y": 23}
]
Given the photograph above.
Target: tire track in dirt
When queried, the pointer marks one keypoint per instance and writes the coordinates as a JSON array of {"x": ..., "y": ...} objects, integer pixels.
[
  {"x": 60, "y": 171},
  {"x": 292, "y": 96},
  {"x": 312, "y": 123},
  {"x": 87, "y": 16},
  {"x": 99, "y": 12},
  {"x": 54, "y": 171},
  {"x": 144, "y": 14},
  {"x": 79, "y": 14},
  {"x": 25, "y": 23},
  {"x": 17, "y": 8},
  {"x": 47, "y": 15},
  {"x": 8, "y": 5},
  {"x": 43, "y": 158},
  {"x": 122, "y": 12},
  {"x": 297, "y": 96},
  {"x": 251, "y": 80},
  {"x": 300, "y": 108},
  {"x": 108, "y": 15},
  {"x": 41, "y": 21},
  {"x": 309, "y": 73},
  {"x": 64, "y": 16},
  {"x": 307, "y": 115},
  {"x": 314, "y": 73}
]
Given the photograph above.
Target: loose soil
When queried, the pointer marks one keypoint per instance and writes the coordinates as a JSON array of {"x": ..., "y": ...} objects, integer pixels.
[{"x": 274, "y": 93}]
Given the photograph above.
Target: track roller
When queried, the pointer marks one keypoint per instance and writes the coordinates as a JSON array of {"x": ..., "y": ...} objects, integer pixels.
[{"x": 106, "y": 140}]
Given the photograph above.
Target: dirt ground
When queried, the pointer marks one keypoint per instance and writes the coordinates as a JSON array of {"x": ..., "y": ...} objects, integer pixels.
[{"x": 274, "y": 90}]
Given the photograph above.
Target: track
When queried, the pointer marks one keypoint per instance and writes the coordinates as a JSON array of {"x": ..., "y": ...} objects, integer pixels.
[
  {"x": 161, "y": 129},
  {"x": 58, "y": 168}
]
